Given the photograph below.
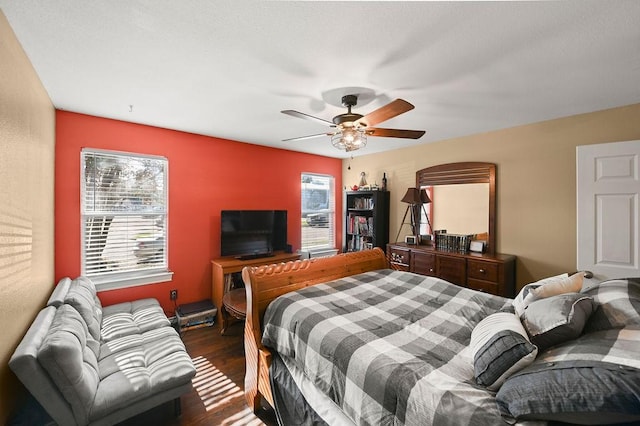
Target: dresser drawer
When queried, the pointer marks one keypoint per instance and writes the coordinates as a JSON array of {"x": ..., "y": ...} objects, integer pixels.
[
  {"x": 399, "y": 256},
  {"x": 423, "y": 263},
  {"x": 399, "y": 267},
  {"x": 485, "y": 271},
  {"x": 452, "y": 269},
  {"x": 484, "y": 286}
]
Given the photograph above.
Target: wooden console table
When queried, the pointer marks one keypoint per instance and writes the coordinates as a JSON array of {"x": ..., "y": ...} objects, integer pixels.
[{"x": 223, "y": 267}]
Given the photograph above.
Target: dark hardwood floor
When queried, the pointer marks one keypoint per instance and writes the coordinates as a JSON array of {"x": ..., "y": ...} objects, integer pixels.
[{"x": 217, "y": 397}]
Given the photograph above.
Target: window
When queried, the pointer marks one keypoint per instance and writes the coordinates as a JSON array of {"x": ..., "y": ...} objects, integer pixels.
[
  {"x": 124, "y": 218},
  {"x": 318, "y": 212}
]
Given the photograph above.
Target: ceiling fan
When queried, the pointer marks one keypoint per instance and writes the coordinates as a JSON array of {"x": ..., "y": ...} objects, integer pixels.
[{"x": 352, "y": 129}]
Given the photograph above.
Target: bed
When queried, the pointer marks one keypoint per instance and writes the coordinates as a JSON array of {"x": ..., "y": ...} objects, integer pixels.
[{"x": 357, "y": 343}]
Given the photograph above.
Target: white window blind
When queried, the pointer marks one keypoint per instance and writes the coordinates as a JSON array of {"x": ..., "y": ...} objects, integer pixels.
[
  {"x": 124, "y": 218},
  {"x": 318, "y": 212}
]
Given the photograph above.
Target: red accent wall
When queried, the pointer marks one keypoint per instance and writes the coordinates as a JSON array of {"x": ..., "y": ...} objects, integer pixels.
[{"x": 206, "y": 175}]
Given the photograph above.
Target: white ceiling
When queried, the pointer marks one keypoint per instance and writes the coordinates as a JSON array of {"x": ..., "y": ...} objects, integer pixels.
[{"x": 227, "y": 68}]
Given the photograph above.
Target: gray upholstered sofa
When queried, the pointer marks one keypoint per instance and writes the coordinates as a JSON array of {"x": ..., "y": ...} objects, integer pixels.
[{"x": 86, "y": 364}]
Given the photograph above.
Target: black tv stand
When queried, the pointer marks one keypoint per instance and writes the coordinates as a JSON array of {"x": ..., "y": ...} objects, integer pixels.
[{"x": 254, "y": 256}]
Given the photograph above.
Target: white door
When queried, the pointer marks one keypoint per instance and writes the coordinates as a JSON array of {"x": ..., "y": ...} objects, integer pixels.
[{"x": 608, "y": 191}]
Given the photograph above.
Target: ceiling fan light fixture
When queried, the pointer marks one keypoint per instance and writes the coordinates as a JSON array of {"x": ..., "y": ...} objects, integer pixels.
[
  {"x": 352, "y": 129},
  {"x": 350, "y": 139}
]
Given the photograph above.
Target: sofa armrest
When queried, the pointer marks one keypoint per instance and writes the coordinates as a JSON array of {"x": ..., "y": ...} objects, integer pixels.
[{"x": 59, "y": 292}]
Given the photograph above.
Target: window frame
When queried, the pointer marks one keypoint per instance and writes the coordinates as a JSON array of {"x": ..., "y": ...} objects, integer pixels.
[
  {"x": 330, "y": 210},
  {"x": 134, "y": 277}
]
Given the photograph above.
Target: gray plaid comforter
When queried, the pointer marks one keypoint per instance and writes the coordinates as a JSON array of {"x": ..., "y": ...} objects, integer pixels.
[{"x": 388, "y": 347}]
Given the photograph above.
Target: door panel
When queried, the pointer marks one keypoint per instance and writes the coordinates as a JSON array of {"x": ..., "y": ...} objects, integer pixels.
[{"x": 608, "y": 189}]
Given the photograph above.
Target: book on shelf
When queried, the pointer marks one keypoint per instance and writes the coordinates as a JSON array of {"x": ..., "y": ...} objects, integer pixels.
[
  {"x": 360, "y": 225},
  {"x": 363, "y": 203},
  {"x": 359, "y": 242}
]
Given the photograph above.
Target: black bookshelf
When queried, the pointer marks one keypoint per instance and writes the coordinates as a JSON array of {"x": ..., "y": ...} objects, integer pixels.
[{"x": 367, "y": 220}]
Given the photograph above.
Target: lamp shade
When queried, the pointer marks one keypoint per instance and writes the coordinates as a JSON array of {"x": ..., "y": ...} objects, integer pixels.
[{"x": 416, "y": 196}]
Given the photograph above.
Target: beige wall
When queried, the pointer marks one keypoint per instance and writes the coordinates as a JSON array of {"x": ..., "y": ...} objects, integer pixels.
[
  {"x": 536, "y": 181},
  {"x": 27, "y": 134}
]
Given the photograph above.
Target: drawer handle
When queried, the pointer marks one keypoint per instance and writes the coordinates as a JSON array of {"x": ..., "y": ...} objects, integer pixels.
[
  {"x": 430, "y": 269},
  {"x": 482, "y": 271}
]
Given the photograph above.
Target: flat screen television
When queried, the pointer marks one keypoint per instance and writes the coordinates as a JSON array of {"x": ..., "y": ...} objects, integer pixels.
[{"x": 248, "y": 234}]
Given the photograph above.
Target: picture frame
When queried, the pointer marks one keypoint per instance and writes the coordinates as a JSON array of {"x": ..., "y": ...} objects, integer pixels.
[
  {"x": 476, "y": 246},
  {"x": 411, "y": 239}
]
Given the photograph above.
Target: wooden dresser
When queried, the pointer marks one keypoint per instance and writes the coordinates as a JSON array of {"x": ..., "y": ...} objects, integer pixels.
[{"x": 491, "y": 273}]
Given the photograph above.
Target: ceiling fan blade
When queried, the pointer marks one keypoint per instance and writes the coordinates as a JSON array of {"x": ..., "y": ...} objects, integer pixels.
[
  {"x": 307, "y": 117},
  {"x": 395, "y": 133},
  {"x": 300, "y": 138},
  {"x": 386, "y": 112}
]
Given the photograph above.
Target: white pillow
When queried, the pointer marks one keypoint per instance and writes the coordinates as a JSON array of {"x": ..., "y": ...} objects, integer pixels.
[
  {"x": 500, "y": 347},
  {"x": 519, "y": 303},
  {"x": 572, "y": 284}
]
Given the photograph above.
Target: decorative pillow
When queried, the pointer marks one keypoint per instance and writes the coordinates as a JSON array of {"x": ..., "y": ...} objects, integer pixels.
[
  {"x": 557, "y": 319},
  {"x": 519, "y": 301},
  {"x": 618, "y": 304},
  {"x": 572, "y": 284},
  {"x": 500, "y": 347},
  {"x": 594, "y": 379}
]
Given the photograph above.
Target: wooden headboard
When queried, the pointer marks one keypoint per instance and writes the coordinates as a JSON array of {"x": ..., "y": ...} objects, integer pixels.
[{"x": 265, "y": 283}]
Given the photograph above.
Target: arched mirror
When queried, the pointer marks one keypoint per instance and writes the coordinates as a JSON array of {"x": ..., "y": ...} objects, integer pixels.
[{"x": 463, "y": 200}]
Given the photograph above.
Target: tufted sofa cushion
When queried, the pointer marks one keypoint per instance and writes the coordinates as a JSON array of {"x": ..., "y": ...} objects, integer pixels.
[
  {"x": 25, "y": 364},
  {"x": 111, "y": 322},
  {"x": 134, "y": 317},
  {"x": 72, "y": 364},
  {"x": 82, "y": 295},
  {"x": 135, "y": 367}
]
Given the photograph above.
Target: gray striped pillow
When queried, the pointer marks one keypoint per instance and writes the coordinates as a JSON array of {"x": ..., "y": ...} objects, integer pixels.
[{"x": 500, "y": 347}]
